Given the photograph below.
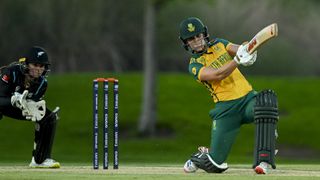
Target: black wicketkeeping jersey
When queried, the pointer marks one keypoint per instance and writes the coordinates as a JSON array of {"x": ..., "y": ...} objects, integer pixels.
[{"x": 13, "y": 80}]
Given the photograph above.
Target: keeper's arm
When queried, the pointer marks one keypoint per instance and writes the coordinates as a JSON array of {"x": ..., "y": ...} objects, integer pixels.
[{"x": 5, "y": 95}]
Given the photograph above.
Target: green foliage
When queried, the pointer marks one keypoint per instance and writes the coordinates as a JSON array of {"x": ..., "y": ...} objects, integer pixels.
[
  {"x": 183, "y": 121},
  {"x": 108, "y": 35}
]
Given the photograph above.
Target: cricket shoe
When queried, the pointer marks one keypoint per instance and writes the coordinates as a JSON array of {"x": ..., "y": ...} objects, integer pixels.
[
  {"x": 262, "y": 168},
  {"x": 47, "y": 163},
  {"x": 190, "y": 167}
]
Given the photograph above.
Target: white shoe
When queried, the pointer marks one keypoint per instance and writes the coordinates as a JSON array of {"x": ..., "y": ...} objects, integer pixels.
[
  {"x": 190, "y": 167},
  {"x": 262, "y": 168},
  {"x": 47, "y": 163}
]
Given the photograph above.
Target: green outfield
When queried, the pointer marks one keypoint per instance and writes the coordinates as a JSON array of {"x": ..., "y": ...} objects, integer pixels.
[
  {"x": 156, "y": 171},
  {"x": 183, "y": 123}
]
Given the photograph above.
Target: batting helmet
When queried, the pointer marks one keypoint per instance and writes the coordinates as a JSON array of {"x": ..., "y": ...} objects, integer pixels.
[
  {"x": 191, "y": 27},
  {"x": 37, "y": 55}
]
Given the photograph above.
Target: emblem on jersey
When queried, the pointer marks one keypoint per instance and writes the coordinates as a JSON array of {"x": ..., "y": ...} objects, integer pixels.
[
  {"x": 5, "y": 78},
  {"x": 194, "y": 70},
  {"x": 191, "y": 27},
  {"x": 192, "y": 60}
]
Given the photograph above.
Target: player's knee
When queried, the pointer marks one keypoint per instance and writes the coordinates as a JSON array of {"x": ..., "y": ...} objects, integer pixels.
[{"x": 266, "y": 106}]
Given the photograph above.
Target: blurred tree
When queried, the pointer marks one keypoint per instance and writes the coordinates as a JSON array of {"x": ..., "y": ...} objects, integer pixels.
[
  {"x": 147, "y": 121},
  {"x": 148, "y": 117},
  {"x": 107, "y": 35}
]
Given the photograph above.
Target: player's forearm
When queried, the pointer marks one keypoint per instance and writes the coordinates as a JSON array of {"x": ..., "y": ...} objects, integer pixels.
[
  {"x": 211, "y": 74},
  {"x": 232, "y": 49}
]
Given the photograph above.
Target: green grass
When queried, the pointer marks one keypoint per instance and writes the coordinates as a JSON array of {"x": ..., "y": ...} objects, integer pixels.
[
  {"x": 156, "y": 171},
  {"x": 183, "y": 122}
]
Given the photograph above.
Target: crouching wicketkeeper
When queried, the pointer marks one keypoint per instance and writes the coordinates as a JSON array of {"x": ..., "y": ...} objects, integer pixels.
[{"x": 22, "y": 86}]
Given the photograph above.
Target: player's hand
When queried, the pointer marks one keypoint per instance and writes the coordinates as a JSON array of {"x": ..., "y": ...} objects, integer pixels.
[
  {"x": 19, "y": 100},
  {"x": 243, "y": 57},
  {"x": 241, "y": 52},
  {"x": 249, "y": 60},
  {"x": 34, "y": 111}
]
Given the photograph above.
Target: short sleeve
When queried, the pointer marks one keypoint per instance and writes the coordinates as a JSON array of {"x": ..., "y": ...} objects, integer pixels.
[{"x": 195, "y": 68}]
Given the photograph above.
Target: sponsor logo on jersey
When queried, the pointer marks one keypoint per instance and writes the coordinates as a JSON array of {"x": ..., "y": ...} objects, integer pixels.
[
  {"x": 5, "y": 78},
  {"x": 194, "y": 71}
]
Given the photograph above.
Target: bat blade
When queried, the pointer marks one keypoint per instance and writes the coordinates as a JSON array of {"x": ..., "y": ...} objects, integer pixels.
[{"x": 262, "y": 36}]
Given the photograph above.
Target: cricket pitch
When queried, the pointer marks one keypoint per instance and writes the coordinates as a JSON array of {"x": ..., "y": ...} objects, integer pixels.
[{"x": 240, "y": 171}]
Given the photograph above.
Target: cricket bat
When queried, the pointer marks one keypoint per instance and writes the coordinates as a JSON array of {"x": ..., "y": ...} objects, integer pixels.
[{"x": 262, "y": 36}]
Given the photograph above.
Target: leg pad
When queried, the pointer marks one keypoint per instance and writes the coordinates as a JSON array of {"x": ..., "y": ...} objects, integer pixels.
[
  {"x": 44, "y": 136},
  {"x": 265, "y": 118}
]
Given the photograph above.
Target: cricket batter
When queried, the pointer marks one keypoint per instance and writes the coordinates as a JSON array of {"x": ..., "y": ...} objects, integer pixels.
[
  {"x": 22, "y": 87},
  {"x": 214, "y": 64}
]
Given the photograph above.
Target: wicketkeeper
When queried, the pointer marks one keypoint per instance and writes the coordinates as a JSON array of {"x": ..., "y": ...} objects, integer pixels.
[
  {"x": 214, "y": 64},
  {"x": 22, "y": 87}
]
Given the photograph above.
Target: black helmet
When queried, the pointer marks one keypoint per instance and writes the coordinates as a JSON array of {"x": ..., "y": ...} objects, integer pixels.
[
  {"x": 191, "y": 27},
  {"x": 37, "y": 55}
]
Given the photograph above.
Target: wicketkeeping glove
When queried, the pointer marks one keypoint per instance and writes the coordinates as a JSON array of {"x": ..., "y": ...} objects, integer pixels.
[
  {"x": 34, "y": 111},
  {"x": 19, "y": 100}
]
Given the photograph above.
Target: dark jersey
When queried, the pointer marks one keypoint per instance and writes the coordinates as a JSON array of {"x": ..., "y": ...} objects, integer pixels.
[{"x": 13, "y": 80}]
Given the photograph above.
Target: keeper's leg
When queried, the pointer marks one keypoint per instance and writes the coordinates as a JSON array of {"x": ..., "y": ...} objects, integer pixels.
[
  {"x": 265, "y": 119},
  {"x": 44, "y": 136}
]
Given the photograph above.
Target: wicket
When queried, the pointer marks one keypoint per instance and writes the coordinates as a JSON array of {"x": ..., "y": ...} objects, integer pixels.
[{"x": 105, "y": 123}]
